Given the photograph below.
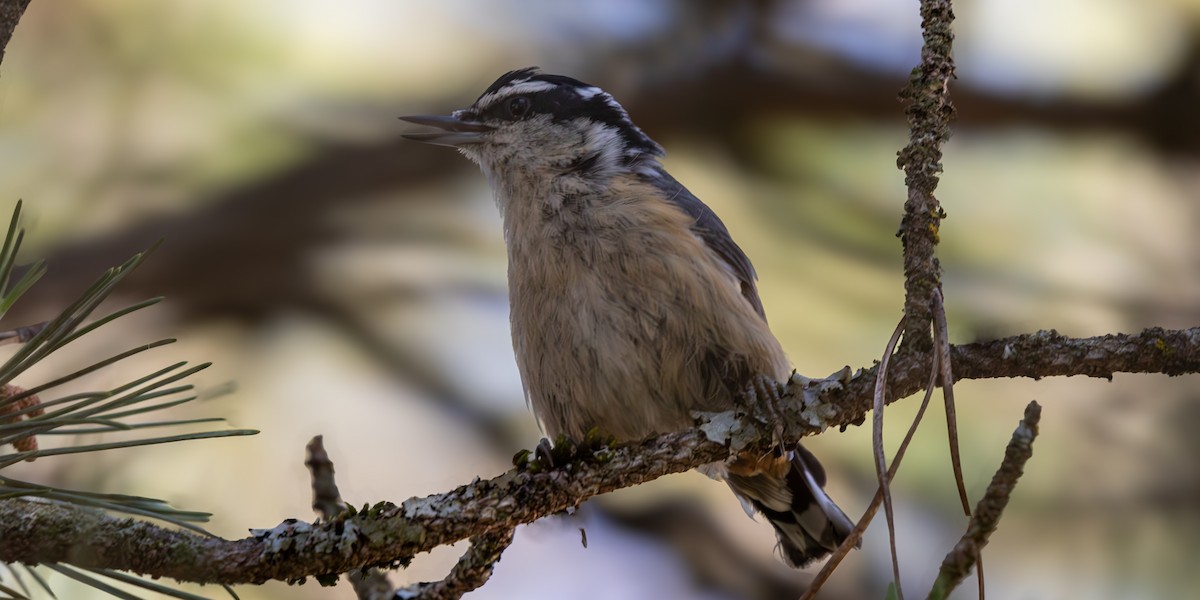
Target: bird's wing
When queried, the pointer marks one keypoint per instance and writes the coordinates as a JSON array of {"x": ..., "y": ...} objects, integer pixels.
[{"x": 709, "y": 228}]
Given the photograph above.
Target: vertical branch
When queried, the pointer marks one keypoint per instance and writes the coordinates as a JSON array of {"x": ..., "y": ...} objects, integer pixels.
[
  {"x": 369, "y": 584},
  {"x": 473, "y": 569},
  {"x": 10, "y": 15},
  {"x": 929, "y": 112}
]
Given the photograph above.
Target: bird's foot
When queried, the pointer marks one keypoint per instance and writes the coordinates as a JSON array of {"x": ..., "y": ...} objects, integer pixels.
[
  {"x": 544, "y": 453},
  {"x": 763, "y": 398},
  {"x": 540, "y": 459},
  {"x": 550, "y": 455}
]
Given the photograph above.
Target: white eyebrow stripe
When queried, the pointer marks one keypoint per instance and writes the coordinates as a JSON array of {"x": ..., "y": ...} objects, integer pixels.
[{"x": 524, "y": 87}]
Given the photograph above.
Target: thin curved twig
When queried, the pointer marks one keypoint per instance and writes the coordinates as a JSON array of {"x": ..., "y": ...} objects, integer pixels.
[{"x": 881, "y": 468}]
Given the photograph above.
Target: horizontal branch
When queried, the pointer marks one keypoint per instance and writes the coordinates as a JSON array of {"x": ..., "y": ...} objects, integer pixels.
[
  {"x": 1033, "y": 355},
  {"x": 382, "y": 536},
  {"x": 388, "y": 535}
]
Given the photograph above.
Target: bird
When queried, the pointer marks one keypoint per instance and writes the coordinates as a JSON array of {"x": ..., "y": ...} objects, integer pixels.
[{"x": 631, "y": 306}]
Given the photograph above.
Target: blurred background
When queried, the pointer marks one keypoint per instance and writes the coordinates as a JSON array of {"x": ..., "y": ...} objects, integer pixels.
[{"x": 352, "y": 284}]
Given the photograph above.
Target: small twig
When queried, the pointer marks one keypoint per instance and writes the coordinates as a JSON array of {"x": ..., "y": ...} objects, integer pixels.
[
  {"x": 958, "y": 562},
  {"x": 941, "y": 345},
  {"x": 370, "y": 584},
  {"x": 881, "y": 468},
  {"x": 853, "y": 540},
  {"x": 979, "y": 573},
  {"x": 474, "y": 568},
  {"x": 327, "y": 501},
  {"x": 21, "y": 335}
]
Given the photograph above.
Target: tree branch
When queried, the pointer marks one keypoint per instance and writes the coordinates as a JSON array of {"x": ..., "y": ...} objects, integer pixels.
[
  {"x": 10, "y": 14},
  {"x": 929, "y": 112},
  {"x": 370, "y": 584},
  {"x": 387, "y": 535},
  {"x": 473, "y": 569},
  {"x": 1033, "y": 355}
]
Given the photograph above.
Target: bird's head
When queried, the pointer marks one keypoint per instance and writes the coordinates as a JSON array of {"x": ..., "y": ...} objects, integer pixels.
[{"x": 543, "y": 124}]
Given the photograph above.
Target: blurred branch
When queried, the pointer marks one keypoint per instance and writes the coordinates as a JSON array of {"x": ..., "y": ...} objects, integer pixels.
[
  {"x": 412, "y": 363},
  {"x": 266, "y": 228},
  {"x": 714, "y": 560},
  {"x": 267, "y": 225},
  {"x": 959, "y": 561},
  {"x": 808, "y": 82},
  {"x": 386, "y": 534}
]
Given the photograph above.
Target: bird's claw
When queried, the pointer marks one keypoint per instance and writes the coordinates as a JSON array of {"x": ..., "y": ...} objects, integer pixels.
[
  {"x": 763, "y": 397},
  {"x": 543, "y": 455}
]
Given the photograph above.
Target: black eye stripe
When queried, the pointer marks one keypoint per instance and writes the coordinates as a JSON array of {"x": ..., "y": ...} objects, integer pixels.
[
  {"x": 555, "y": 102},
  {"x": 569, "y": 100}
]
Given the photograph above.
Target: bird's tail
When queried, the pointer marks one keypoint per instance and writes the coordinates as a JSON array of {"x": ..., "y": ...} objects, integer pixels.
[{"x": 787, "y": 488}]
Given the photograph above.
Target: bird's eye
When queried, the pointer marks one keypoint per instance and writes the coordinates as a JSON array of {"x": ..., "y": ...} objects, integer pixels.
[{"x": 518, "y": 107}]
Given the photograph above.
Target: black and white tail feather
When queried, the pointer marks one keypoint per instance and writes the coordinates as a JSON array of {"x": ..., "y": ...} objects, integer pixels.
[{"x": 808, "y": 525}]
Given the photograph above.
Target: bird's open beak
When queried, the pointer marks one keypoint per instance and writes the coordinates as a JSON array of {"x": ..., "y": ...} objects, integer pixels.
[{"x": 455, "y": 131}]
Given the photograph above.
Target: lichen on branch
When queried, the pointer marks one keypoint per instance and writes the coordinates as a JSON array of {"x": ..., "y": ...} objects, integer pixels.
[
  {"x": 388, "y": 534},
  {"x": 929, "y": 112}
]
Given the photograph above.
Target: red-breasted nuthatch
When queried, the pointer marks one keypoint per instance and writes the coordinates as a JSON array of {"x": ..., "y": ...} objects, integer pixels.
[{"x": 632, "y": 307}]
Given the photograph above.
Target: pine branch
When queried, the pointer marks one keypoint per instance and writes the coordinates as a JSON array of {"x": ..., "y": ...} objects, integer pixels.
[{"x": 24, "y": 415}]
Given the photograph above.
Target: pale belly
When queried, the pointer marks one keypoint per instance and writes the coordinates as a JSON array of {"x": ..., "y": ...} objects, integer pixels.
[{"x": 633, "y": 356}]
